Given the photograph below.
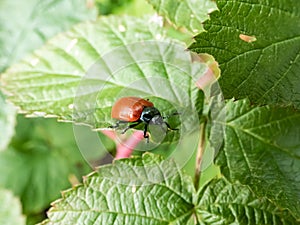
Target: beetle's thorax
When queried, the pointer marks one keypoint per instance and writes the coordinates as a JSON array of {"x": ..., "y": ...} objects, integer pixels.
[{"x": 151, "y": 113}]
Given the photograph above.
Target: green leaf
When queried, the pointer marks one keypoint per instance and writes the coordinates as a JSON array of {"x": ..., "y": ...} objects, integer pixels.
[
  {"x": 10, "y": 209},
  {"x": 39, "y": 163},
  {"x": 150, "y": 190},
  {"x": 186, "y": 14},
  {"x": 262, "y": 149},
  {"x": 136, "y": 59},
  {"x": 265, "y": 70},
  {"x": 33, "y": 219},
  {"x": 137, "y": 8},
  {"x": 106, "y": 7},
  {"x": 221, "y": 202},
  {"x": 141, "y": 190},
  {"x": 7, "y": 122},
  {"x": 26, "y": 25}
]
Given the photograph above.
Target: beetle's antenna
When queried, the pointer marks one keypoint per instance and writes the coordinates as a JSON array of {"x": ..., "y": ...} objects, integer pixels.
[{"x": 173, "y": 114}]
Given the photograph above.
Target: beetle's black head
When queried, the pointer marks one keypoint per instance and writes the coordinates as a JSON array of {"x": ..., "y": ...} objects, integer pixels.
[{"x": 151, "y": 114}]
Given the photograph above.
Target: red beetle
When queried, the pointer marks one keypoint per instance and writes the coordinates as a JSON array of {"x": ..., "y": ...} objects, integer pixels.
[{"x": 136, "y": 110}]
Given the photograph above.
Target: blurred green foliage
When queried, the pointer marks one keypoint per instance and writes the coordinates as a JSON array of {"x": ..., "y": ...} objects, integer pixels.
[
  {"x": 129, "y": 7},
  {"x": 42, "y": 160},
  {"x": 106, "y": 7}
]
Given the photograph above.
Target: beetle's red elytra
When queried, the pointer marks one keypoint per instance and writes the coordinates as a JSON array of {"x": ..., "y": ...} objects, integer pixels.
[
  {"x": 134, "y": 111},
  {"x": 129, "y": 109}
]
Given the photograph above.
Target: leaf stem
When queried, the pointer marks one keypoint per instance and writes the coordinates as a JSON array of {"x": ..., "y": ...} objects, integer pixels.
[{"x": 199, "y": 156}]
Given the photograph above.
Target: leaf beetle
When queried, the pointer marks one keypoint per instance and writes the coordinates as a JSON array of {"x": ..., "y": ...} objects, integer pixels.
[{"x": 134, "y": 111}]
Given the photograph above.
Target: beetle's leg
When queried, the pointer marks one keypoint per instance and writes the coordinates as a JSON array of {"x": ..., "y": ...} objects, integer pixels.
[
  {"x": 169, "y": 127},
  {"x": 117, "y": 124},
  {"x": 130, "y": 126},
  {"x": 145, "y": 133}
]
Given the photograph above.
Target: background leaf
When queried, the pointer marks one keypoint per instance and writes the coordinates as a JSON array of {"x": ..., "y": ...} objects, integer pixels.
[
  {"x": 7, "y": 122},
  {"x": 262, "y": 149},
  {"x": 116, "y": 202},
  {"x": 10, "y": 209},
  {"x": 265, "y": 70},
  {"x": 48, "y": 81},
  {"x": 39, "y": 163},
  {"x": 186, "y": 14},
  {"x": 220, "y": 202},
  {"x": 25, "y": 26},
  {"x": 106, "y": 7}
]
